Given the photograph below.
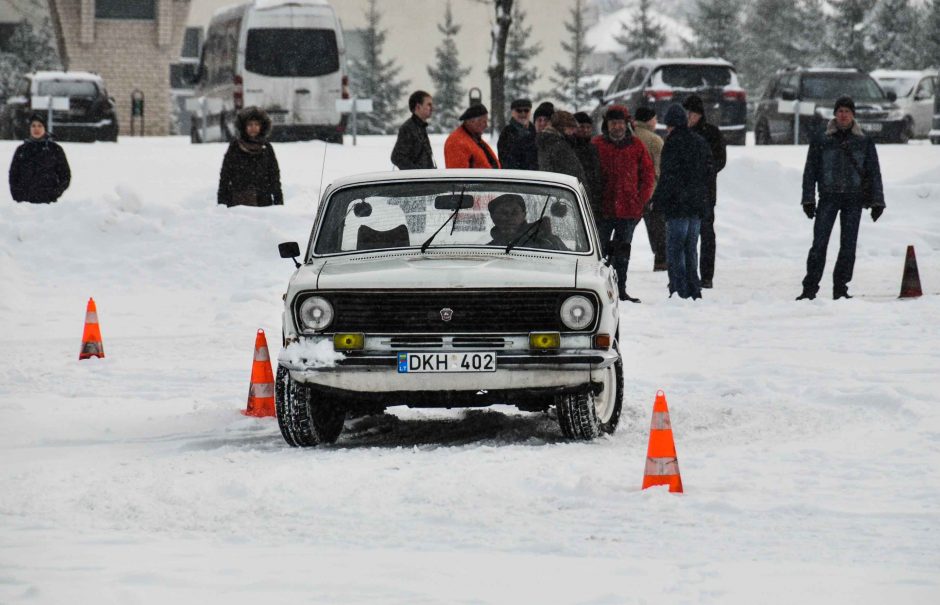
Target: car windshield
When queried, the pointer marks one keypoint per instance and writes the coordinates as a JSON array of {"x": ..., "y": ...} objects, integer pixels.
[
  {"x": 407, "y": 215},
  {"x": 693, "y": 76},
  {"x": 901, "y": 86},
  {"x": 291, "y": 52},
  {"x": 67, "y": 88},
  {"x": 833, "y": 86}
]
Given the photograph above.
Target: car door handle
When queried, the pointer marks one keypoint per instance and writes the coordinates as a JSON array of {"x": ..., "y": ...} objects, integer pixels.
[{"x": 302, "y": 91}]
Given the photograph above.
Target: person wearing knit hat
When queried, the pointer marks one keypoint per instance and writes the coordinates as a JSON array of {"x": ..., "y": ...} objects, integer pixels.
[
  {"x": 516, "y": 144},
  {"x": 39, "y": 171},
  {"x": 843, "y": 165},
  {"x": 590, "y": 160},
  {"x": 543, "y": 115},
  {"x": 465, "y": 147},
  {"x": 712, "y": 135},
  {"x": 682, "y": 196},
  {"x": 644, "y": 128},
  {"x": 556, "y": 147},
  {"x": 628, "y": 180}
]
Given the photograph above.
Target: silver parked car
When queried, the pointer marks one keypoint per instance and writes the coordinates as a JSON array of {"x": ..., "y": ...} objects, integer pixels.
[
  {"x": 457, "y": 288},
  {"x": 916, "y": 91}
]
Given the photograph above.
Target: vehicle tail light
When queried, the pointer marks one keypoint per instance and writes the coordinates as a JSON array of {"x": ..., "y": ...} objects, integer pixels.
[
  {"x": 345, "y": 87},
  {"x": 658, "y": 95},
  {"x": 734, "y": 95},
  {"x": 238, "y": 96}
]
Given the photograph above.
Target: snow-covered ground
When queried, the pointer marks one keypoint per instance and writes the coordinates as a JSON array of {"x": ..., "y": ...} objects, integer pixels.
[{"x": 808, "y": 433}]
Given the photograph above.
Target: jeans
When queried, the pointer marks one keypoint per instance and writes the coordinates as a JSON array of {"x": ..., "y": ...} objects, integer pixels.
[
  {"x": 682, "y": 253},
  {"x": 708, "y": 244},
  {"x": 849, "y": 210},
  {"x": 616, "y": 239}
]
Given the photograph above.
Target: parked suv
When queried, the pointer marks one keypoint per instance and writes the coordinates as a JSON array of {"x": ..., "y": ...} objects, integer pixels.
[
  {"x": 915, "y": 92},
  {"x": 816, "y": 90},
  {"x": 90, "y": 117},
  {"x": 658, "y": 83}
]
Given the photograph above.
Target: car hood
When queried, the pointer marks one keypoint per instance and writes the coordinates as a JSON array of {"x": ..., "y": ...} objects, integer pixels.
[{"x": 514, "y": 270}]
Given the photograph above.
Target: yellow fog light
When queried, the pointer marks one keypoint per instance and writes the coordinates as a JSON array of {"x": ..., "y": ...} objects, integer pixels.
[
  {"x": 544, "y": 340},
  {"x": 350, "y": 341}
]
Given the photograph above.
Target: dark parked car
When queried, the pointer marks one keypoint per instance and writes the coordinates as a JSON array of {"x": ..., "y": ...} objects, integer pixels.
[
  {"x": 658, "y": 83},
  {"x": 816, "y": 89},
  {"x": 90, "y": 116}
]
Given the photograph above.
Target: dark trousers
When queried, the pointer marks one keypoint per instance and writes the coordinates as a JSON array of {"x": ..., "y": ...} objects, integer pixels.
[
  {"x": 682, "y": 246},
  {"x": 708, "y": 244},
  {"x": 656, "y": 230},
  {"x": 616, "y": 239},
  {"x": 849, "y": 211}
]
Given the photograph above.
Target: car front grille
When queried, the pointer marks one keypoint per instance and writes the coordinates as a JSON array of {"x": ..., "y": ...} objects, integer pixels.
[{"x": 469, "y": 311}]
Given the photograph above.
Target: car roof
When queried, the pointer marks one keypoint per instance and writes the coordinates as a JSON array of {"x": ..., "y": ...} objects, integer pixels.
[
  {"x": 66, "y": 75},
  {"x": 680, "y": 61},
  {"x": 457, "y": 174},
  {"x": 903, "y": 73}
]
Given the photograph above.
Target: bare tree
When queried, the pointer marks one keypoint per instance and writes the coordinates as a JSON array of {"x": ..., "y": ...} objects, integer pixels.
[{"x": 499, "y": 35}]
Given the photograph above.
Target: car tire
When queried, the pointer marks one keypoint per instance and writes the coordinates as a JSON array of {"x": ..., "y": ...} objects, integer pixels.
[
  {"x": 194, "y": 136},
  {"x": 762, "y": 134},
  {"x": 583, "y": 416},
  {"x": 305, "y": 420},
  {"x": 907, "y": 131}
]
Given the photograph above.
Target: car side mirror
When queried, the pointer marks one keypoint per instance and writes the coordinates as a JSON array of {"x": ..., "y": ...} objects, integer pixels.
[
  {"x": 598, "y": 94},
  {"x": 788, "y": 94},
  {"x": 892, "y": 96},
  {"x": 289, "y": 250}
]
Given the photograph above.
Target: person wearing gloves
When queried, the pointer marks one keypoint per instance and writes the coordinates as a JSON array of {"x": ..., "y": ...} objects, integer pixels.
[
  {"x": 39, "y": 172},
  {"x": 250, "y": 174},
  {"x": 843, "y": 165}
]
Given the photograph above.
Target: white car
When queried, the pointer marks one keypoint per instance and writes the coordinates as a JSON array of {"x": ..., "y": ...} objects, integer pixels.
[
  {"x": 915, "y": 91},
  {"x": 410, "y": 294}
]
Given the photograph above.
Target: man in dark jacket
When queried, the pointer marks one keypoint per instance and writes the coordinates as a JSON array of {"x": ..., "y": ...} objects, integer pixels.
[
  {"x": 412, "y": 149},
  {"x": 590, "y": 160},
  {"x": 39, "y": 171},
  {"x": 555, "y": 146},
  {"x": 250, "y": 174},
  {"x": 844, "y": 165},
  {"x": 682, "y": 195},
  {"x": 696, "y": 111},
  {"x": 516, "y": 145}
]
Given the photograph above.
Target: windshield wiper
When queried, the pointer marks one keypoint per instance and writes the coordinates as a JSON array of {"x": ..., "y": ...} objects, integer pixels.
[
  {"x": 532, "y": 230},
  {"x": 452, "y": 217}
]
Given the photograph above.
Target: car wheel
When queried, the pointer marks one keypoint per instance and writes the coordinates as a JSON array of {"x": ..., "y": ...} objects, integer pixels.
[
  {"x": 762, "y": 134},
  {"x": 907, "y": 131},
  {"x": 305, "y": 420},
  {"x": 194, "y": 136},
  {"x": 583, "y": 416}
]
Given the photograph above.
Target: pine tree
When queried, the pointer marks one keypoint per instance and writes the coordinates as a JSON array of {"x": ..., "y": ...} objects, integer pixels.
[
  {"x": 775, "y": 36},
  {"x": 448, "y": 93},
  {"x": 893, "y": 36},
  {"x": 644, "y": 37},
  {"x": 573, "y": 81},
  {"x": 376, "y": 79},
  {"x": 520, "y": 73},
  {"x": 848, "y": 33},
  {"x": 716, "y": 25},
  {"x": 28, "y": 50},
  {"x": 930, "y": 47}
]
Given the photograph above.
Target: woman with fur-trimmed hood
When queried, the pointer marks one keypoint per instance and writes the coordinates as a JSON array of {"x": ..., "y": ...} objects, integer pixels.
[{"x": 250, "y": 175}]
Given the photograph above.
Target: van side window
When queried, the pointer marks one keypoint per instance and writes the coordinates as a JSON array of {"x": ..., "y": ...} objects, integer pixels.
[{"x": 638, "y": 77}]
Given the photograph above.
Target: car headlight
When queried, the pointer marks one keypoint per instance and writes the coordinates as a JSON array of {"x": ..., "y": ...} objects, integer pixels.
[
  {"x": 577, "y": 312},
  {"x": 316, "y": 313},
  {"x": 825, "y": 113},
  {"x": 895, "y": 115}
]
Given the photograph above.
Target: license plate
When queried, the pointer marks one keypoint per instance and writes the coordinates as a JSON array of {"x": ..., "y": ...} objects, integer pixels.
[
  {"x": 871, "y": 127},
  {"x": 413, "y": 363},
  {"x": 278, "y": 118}
]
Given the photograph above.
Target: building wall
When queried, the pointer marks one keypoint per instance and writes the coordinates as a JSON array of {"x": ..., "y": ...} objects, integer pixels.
[
  {"x": 413, "y": 35},
  {"x": 128, "y": 54}
]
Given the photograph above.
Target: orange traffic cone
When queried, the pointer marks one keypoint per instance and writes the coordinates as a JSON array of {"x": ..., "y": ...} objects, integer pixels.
[
  {"x": 910, "y": 281},
  {"x": 662, "y": 465},
  {"x": 91, "y": 337},
  {"x": 261, "y": 389}
]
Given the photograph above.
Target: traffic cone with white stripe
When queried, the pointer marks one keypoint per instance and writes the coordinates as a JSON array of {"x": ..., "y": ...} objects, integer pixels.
[
  {"x": 662, "y": 464},
  {"x": 91, "y": 336},
  {"x": 261, "y": 389}
]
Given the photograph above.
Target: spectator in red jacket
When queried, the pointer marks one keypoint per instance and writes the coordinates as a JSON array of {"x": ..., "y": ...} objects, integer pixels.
[{"x": 627, "y": 182}]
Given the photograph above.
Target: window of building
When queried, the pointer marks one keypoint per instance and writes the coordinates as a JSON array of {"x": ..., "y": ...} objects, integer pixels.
[{"x": 126, "y": 9}]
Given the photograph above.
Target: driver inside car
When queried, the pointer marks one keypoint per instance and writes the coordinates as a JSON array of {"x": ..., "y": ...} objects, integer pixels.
[{"x": 508, "y": 213}]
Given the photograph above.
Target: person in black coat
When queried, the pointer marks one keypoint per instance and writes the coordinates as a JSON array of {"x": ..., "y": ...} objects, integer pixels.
[
  {"x": 39, "y": 172},
  {"x": 590, "y": 161},
  {"x": 412, "y": 149},
  {"x": 516, "y": 145},
  {"x": 250, "y": 174},
  {"x": 843, "y": 163},
  {"x": 696, "y": 112},
  {"x": 682, "y": 195}
]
